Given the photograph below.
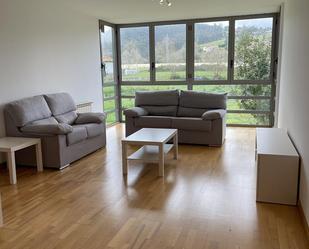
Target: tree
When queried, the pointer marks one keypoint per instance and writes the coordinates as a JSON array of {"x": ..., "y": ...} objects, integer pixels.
[
  {"x": 131, "y": 54},
  {"x": 253, "y": 57}
]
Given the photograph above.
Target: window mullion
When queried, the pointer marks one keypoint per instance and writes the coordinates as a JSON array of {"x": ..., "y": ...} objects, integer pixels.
[
  {"x": 231, "y": 51},
  {"x": 190, "y": 55},
  {"x": 152, "y": 56}
]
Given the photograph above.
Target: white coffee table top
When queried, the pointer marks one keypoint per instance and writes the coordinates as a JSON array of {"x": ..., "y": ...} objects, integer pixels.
[
  {"x": 16, "y": 143},
  {"x": 151, "y": 135}
]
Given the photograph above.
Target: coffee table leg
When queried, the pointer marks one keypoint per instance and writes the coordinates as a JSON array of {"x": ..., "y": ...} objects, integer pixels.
[
  {"x": 124, "y": 158},
  {"x": 161, "y": 160},
  {"x": 12, "y": 167},
  {"x": 38, "y": 151},
  {"x": 175, "y": 141}
]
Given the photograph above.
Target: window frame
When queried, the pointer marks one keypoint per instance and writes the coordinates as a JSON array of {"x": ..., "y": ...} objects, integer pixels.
[
  {"x": 275, "y": 17},
  {"x": 153, "y": 51},
  {"x": 117, "y": 110},
  {"x": 230, "y": 50},
  {"x": 190, "y": 47},
  {"x": 118, "y": 27}
]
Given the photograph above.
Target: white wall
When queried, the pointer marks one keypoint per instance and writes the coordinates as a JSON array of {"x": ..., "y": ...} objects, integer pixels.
[
  {"x": 47, "y": 48},
  {"x": 294, "y": 89}
]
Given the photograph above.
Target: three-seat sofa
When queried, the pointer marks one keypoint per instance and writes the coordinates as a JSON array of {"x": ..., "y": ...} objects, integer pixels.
[{"x": 200, "y": 117}]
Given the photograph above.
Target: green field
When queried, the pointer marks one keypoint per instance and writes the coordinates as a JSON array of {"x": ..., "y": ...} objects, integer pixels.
[{"x": 171, "y": 75}]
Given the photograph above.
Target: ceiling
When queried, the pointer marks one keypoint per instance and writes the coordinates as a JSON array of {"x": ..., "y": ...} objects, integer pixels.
[{"x": 131, "y": 11}]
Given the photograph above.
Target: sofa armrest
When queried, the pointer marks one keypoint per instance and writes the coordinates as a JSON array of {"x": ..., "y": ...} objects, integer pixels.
[
  {"x": 47, "y": 129},
  {"x": 90, "y": 117},
  {"x": 135, "y": 112},
  {"x": 213, "y": 114}
]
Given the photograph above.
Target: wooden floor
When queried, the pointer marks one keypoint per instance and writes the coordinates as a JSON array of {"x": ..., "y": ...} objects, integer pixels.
[{"x": 205, "y": 200}]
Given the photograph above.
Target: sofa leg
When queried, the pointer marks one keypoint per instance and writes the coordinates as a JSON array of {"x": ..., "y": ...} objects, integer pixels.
[{"x": 65, "y": 166}]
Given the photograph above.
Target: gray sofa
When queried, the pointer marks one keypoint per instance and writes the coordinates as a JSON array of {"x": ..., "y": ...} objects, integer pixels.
[
  {"x": 65, "y": 134},
  {"x": 200, "y": 117}
]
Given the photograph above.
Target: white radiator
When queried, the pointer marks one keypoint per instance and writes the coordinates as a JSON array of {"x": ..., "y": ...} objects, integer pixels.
[{"x": 84, "y": 107}]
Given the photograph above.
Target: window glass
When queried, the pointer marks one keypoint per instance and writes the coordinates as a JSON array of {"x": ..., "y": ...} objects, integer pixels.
[
  {"x": 109, "y": 91},
  {"x": 127, "y": 103},
  {"x": 109, "y": 105},
  {"x": 107, "y": 60},
  {"x": 248, "y": 119},
  {"x": 253, "y": 47},
  {"x": 135, "y": 64},
  {"x": 211, "y": 50},
  {"x": 237, "y": 90},
  {"x": 249, "y": 104},
  {"x": 111, "y": 118},
  {"x": 244, "y": 104},
  {"x": 170, "y": 52}
]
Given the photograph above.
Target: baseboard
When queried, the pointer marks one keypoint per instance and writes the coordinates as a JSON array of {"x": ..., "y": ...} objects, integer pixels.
[{"x": 303, "y": 218}]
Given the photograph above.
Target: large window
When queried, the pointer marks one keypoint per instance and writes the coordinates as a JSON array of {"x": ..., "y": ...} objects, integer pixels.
[
  {"x": 211, "y": 50},
  {"x": 135, "y": 62},
  {"x": 170, "y": 52},
  {"x": 234, "y": 55}
]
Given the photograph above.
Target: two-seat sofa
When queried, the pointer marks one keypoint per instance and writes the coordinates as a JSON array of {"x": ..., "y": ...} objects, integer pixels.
[
  {"x": 65, "y": 134},
  {"x": 200, "y": 117}
]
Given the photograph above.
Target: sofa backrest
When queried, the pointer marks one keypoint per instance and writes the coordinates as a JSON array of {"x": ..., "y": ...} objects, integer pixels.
[
  {"x": 27, "y": 110},
  {"x": 194, "y": 103},
  {"x": 158, "y": 103},
  {"x": 62, "y": 106}
]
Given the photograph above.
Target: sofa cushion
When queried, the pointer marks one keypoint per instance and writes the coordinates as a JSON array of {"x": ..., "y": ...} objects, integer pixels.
[
  {"x": 153, "y": 122},
  {"x": 45, "y": 121},
  {"x": 93, "y": 130},
  {"x": 135, "y": 112},
  {"x": 78, "y": 134},
  {"x": 202, "y": 100},
  {"x": 161, "y": 110},
  {"x": 47, "y": 129},
  {"x": 90, "y": 117},
  {"x": 190, "y": 112},
  {"x": 191, "y": 124},
  {"x": 156, "y": 98},
  {"x": 60, "y": 103},
  {"x": 67, "y": 118},
  {"x": 27, "y": 110}
]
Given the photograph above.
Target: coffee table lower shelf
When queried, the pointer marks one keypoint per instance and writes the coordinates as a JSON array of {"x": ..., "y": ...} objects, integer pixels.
[
  {"x": 155, "y": 146},
  {"x": 149, "y": 153}
]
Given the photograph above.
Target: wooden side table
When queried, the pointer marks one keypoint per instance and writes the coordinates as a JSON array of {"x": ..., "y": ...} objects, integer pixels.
[{"x": 11, "y": 144}]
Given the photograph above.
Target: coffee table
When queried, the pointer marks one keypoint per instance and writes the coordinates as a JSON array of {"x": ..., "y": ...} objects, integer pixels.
[{"x": 154, "y": 147}]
